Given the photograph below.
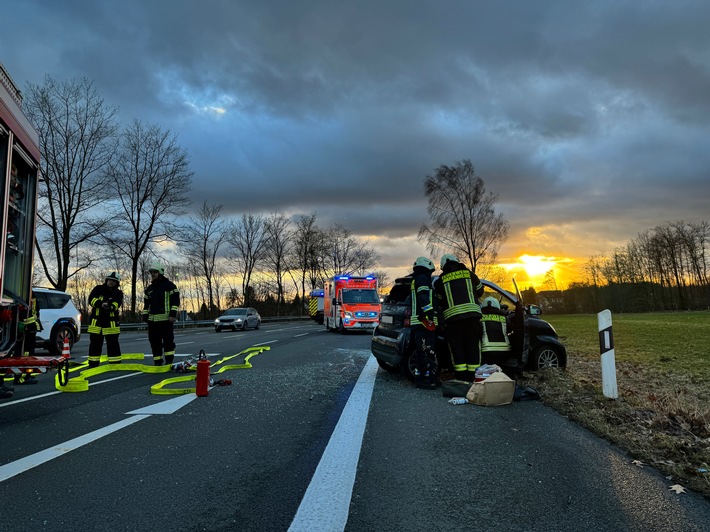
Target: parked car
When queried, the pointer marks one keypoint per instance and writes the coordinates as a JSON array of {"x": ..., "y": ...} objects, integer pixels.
[
  {"x": 60, "y": 319},
  {"x": 238, "y": 319},
  {"x": 538, "y": 347}
]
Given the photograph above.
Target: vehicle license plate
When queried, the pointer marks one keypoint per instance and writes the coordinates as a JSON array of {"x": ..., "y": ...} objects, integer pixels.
[{"x": 386, "y": 319}]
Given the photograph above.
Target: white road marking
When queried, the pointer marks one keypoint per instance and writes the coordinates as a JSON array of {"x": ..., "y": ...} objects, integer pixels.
[
  {"x": 185, "y": 343},
  {"x": 326, "y": 503},
  {"x": 303, "y": 334},
  {"x": 28, "y": 462},
  {"x": 23, "y": 464},
  {"x": 264, "y": 343},
  {"x": 165, "y": 407}
]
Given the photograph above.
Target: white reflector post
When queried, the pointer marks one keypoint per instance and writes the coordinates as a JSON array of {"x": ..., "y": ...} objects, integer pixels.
[{"x": 606, "y": 348}]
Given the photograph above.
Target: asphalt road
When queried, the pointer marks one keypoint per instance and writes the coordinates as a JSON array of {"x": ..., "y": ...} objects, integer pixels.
[{"x": 313, "y": 437}]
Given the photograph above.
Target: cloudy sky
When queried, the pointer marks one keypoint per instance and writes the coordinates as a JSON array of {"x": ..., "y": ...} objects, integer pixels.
[{"x": 589, "y": 120}]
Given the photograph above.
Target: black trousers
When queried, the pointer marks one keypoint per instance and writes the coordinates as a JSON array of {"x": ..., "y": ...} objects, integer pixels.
[
  {"x": 424, "y": 354},
  {"x": 96, "y": 343},
  {"x": 464, "y": 339},
  {"x": 162, "y": 340}
]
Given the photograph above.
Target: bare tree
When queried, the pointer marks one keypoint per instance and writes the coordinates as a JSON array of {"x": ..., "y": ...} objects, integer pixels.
[
  {"x": 345, "y": 254},
  {"x": 304, "y": 257},
  {"x": 150, "y": 179},
  {"x": 247, "y": 239},
  {"x": 204, "y": 235},
  {"x": 277, "y": 250},
  {"x": 77, "y": 137},
  {"x": 463, "y": 218}
]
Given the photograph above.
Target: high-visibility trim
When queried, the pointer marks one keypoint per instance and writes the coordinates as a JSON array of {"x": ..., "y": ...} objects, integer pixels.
[
  {"x": 495, "y": 333},
  {"x": 459, "y": 302},
  {"x": 414, "y": 320}
]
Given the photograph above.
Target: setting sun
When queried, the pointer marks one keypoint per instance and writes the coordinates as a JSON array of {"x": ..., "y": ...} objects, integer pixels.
[{"x": 540, "y": 271}]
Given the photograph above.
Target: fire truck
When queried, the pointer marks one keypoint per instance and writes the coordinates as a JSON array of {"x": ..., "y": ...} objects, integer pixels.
[
  {"x": 315, "y": 306},
  {"x": 19, "y": 178},
  {"x": 351, "y": 303}
]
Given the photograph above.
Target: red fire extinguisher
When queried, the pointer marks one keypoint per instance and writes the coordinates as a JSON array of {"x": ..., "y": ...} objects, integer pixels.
[{"x": 202, "y": 380}]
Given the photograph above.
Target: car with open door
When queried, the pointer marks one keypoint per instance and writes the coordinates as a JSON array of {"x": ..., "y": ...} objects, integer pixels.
[{"x": 534, "y": 342}]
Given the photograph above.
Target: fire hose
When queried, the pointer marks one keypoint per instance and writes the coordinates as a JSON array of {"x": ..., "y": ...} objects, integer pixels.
[{"x": 80, "y": 383}]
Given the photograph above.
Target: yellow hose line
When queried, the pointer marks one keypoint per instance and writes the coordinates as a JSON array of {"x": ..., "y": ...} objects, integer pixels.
[{"x": 81, "y": 384}]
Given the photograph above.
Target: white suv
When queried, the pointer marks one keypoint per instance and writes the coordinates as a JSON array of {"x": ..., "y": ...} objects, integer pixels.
[{"x": 59, "y": 317}]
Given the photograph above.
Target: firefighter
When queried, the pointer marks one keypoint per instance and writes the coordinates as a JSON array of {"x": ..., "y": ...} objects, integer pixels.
[
  {"x": 162, "y": 300},
  {"x": 105, "y": 300},
  {"x": 495, "y": 345},
  {"x": 30, "y": 326},
  {"x": 457, "y": 293},
  {"x": 423, "y": 325}
]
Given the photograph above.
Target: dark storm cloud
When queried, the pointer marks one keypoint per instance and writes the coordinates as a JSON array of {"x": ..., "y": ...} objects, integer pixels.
[{"x": 588, "y": 120}]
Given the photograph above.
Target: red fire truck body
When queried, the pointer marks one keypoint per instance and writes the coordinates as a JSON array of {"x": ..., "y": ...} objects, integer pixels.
[{"x": 19, "y": 179}]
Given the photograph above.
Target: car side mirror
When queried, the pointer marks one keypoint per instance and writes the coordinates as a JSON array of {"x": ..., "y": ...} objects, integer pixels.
[{"x": 534, "y": 310}]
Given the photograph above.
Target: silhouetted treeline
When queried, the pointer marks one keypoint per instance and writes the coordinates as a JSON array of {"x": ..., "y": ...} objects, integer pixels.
[{"x": 664, "y": 268}]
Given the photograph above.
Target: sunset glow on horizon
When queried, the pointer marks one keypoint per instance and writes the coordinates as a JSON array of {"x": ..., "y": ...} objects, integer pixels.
[{"x": 540, "y": 271}]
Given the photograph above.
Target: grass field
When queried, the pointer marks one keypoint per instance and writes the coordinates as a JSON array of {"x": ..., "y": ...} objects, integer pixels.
[
  {"x": 662, "y": 415},
  {"x": 666, "y": 341}
]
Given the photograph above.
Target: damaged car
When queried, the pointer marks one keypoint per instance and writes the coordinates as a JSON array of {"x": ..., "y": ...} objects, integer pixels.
[{"x": 534, "y": 343}]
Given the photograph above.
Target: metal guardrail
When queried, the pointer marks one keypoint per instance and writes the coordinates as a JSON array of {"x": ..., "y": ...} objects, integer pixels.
[{"x": 193, "y": 324}]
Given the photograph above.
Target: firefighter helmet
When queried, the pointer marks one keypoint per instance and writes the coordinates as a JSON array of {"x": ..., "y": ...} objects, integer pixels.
[
  {"x": 157, "y": 267},
  {"x": 424, "y": 262},
  {"x": 446, "y": 258},
  {"x": 491, "y": 302},
  {"x": 115, "y": 276}
]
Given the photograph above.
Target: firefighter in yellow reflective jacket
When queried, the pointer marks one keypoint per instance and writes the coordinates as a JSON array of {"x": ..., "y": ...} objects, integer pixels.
[
  {"x": 162, "y": 301},
  {"x": 423, "y": 323},
  {"x": 457, "y": 291},
  {"x": 30, "y": 325},
  {"x": 105, "y": 300},
  {"x": 495, "y": 344}
]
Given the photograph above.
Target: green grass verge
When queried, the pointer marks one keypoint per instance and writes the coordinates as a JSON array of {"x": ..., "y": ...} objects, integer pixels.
[{"x": 675, "y": 342}]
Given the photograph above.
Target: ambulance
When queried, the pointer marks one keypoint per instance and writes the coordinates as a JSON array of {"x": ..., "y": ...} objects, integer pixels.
[{"x": 351, "y": 303}]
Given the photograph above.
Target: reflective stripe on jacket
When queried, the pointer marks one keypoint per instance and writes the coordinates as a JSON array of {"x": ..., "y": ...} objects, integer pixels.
[
  {"x": 105, "y": 321},
  {"x": 495, "y": 331},
  {"x": 457, "y": 294},
  {"x": 422, "y": 298},
  {"x": 161, "y": 299}
]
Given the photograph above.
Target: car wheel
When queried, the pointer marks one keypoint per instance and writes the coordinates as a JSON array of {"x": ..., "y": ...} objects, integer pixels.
[
  {"x": 217, "y": 329},
  {"x": 409, "y": 365},
  {"x": 258, "y": 324},
  {"x": 57, "y": 343},
  {"x": 546, "y": 356},
  {"x": 341, "y": 327}
]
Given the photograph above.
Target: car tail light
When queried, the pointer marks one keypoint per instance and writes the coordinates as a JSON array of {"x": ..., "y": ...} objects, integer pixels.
[
  {"x": 407, "y": 317},
  {"x": 5, "y": 314}
]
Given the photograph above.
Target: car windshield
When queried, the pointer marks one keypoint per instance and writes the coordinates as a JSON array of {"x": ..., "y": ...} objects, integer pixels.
[
  {"x": 236, "y": 312},
  {"x": 505, "y": 302},
  {"x": 361, "y": 296}
]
